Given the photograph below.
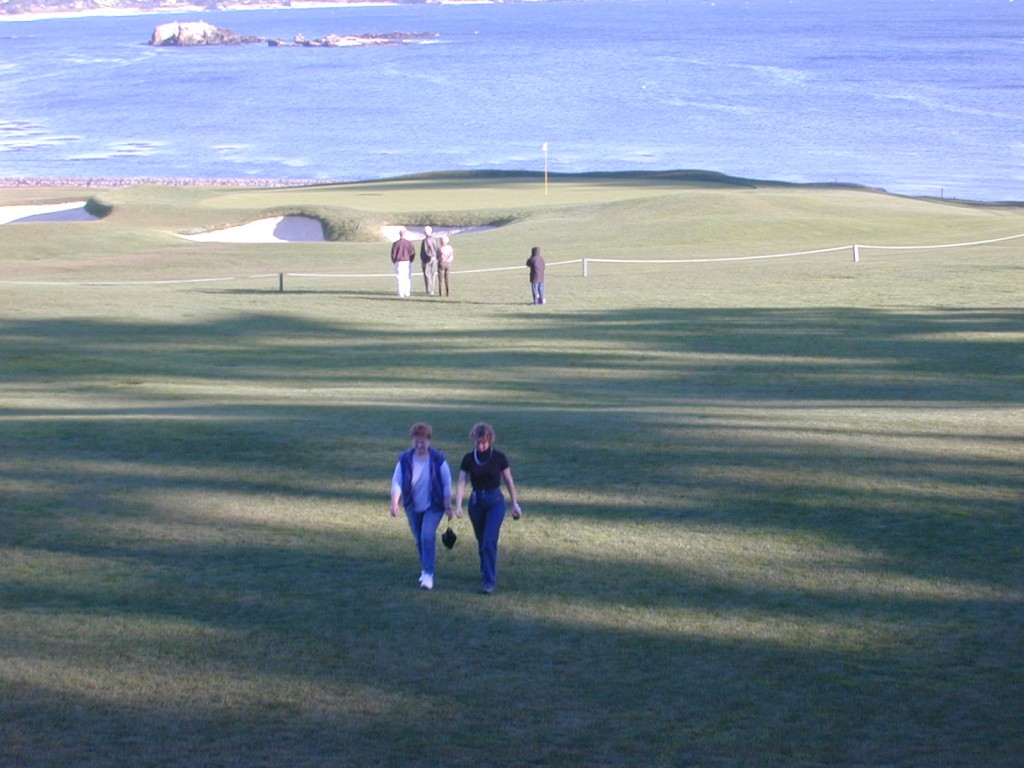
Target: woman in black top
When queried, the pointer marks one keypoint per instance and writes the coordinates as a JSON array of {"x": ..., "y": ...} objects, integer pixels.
[{"x": 484, "y": 467}]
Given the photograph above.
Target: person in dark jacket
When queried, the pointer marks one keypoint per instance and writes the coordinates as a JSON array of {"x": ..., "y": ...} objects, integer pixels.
[
  {"x": 422, "y": 483},
  {"x": 403, "y": 254},
  {"x": 536, "y": 265},
  {"x": 429, "y": 249}
]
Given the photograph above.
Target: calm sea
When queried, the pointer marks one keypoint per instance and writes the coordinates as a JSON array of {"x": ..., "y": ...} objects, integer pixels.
[{"x": 914, "y": 96}]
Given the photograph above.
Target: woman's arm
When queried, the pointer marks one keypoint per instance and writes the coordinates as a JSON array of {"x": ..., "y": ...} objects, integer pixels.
[
  {"x": 460, "y": 491},
  {"x": 396, "y": 489},
  {"x": 517, "y": 511},
  {"x": 446, "y": 488}
]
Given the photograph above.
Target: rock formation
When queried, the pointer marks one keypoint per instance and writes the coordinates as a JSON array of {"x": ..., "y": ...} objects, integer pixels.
[
  {"x": 345, "y": 41},
  {"x": 177, "y": 33},
  {"x": 198, "y": 33}
]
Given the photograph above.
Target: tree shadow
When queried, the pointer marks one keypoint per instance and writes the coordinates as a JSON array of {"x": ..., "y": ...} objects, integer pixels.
[{"x": 681, "y": 420}]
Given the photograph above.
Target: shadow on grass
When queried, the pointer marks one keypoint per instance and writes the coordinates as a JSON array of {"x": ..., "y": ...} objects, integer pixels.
[
  {"x": 754, "y": 541},
  {"x": 861, "y": 355},
  {"x": 711, "y": 408}
]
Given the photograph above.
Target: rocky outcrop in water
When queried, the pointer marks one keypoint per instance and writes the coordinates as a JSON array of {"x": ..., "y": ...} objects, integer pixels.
[
  {"x": 345, "y": 41},
  {"x": 177, "y": 33},
  {"x": 198, "y": 33}
]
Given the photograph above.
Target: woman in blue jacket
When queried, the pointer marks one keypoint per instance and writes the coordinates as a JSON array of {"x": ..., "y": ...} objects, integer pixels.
[{"x": 422, "y": 483}]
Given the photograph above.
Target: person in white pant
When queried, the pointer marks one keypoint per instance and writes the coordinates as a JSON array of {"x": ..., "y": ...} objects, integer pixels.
[{"x": 403, "y": 254}]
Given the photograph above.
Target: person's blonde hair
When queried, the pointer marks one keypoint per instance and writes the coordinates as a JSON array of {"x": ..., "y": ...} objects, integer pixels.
[
  {"x": 482, "y": 431},
  {"x": 420, "y": 429}
]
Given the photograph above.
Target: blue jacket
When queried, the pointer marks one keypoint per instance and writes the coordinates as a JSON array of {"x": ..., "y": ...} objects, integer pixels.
[{"x": 436, "y": 484}]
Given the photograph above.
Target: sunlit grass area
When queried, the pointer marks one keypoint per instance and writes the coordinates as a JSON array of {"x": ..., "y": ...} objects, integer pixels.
[{"x": 772, "y": 507}]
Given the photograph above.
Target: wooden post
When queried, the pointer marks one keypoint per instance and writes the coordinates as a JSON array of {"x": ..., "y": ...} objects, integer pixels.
[
  {"x": 280, "y": 282},
  {"x": 856, "y": 253}
]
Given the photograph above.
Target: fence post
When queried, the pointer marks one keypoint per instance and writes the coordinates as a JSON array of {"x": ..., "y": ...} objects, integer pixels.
[
  {"x": 280, "y": 282},
  {"x": 856, "y": 253},
  {"x": 585, "y": 270}
]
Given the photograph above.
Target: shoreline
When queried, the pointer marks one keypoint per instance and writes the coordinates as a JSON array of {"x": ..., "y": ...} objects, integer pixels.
[
  {"x": 112, "y": 182},
  {"x": 284, "y": 5},
  {"x": 101, "y": 183}
]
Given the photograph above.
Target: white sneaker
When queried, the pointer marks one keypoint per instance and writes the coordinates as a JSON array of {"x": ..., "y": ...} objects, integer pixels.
[{"x": 427, "y": 581}]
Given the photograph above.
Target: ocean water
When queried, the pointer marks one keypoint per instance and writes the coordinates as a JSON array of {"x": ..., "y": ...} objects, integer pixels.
[{"x": 919, "y": 97}]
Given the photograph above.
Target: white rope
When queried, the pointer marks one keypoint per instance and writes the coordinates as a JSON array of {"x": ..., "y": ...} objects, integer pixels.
[
  {"x": 491, "y": 269},
  {"x": 947, "y": 245},
  {"x": 330, "y": 274},
  {"x": 282, "y": 275},
  {"x": 193, "y": 280},
  {"x": 724, "y": 258},
  {"x": 137, "y": 282},
  {"x": 454, "y": 271}
]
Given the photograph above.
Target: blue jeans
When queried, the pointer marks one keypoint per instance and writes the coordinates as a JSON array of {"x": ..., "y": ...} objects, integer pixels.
[
  {"x": 487, "y": 513},
  {"x": 538, "y": 292},
  {"x": 424, "y": 532}
]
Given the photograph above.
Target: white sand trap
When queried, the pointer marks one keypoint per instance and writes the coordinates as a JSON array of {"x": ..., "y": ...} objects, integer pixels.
[
  {"x": 281, "y": 229},
  {"x": 390, "y": 231},
  {"x": 25, "y": 214}
]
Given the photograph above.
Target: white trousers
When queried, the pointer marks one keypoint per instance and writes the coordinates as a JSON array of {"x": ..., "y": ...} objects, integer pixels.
[{"x": 404, "y": 275}]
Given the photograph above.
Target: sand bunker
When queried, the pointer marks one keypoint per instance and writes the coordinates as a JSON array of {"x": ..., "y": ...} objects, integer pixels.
[
  {"x": 304, "y": 229},
  {"x": 281, "y": 229},
  {"x": 25, "y": 214},
  {"x": 390, "y": 231}
]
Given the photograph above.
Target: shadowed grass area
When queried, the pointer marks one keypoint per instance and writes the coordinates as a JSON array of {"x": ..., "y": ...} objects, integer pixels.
[{"x": 772, "y": 508}]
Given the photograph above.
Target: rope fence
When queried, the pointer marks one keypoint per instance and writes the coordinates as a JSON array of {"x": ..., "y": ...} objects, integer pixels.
[
  {"x": 855, "y": 250},
  {"x": 944, "y": 245},
  {"x": 587, "y": 262}
]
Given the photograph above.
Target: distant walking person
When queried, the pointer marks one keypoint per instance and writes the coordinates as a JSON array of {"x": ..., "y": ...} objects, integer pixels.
[
  {"x": 422, "y": 483},
  {"x": 445, "y": 257},
  {"x": 428, "y": 255},
  {"x": 485, "y": 467},
  {"x": 536, "y": 265},
  {"x": 403, "y": 254}
]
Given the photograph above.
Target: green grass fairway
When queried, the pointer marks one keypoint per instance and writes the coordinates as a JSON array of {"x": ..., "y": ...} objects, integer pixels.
[{"x": 772, "y": 507}]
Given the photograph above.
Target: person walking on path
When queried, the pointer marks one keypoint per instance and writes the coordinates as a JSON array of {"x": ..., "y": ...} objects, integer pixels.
[
  {"x": 445, "y": 257},
  {"x": 485, "y": 467},
  {"x": 428, "y": 255},
  {"x": 536, "y": 265},
  {"x": 403, "y": 254},
  {"x": 422, "y": 483}
]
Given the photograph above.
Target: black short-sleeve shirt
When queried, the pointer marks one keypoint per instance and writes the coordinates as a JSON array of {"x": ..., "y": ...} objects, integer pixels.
[{"x": 484, "y": 469}]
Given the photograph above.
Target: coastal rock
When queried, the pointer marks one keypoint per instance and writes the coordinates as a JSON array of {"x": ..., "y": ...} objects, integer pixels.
[
  {"x": 197, "y": 33},
  {"x": 70, "y": 7},
  {"x": 346, "y": 41},
  {"x": 176, "y": 33}
]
